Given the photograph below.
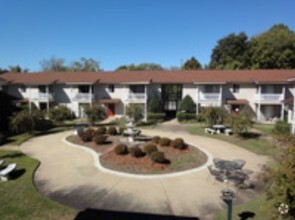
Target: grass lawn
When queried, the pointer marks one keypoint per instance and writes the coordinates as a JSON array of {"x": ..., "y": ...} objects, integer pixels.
[
  {"x": 121, "y": 122},
  {"x": 264, "y": 128},
  {"x": 257, "y": 145},
  {"x": 260, "y": 206},
  {"x": 20, "y": 200},
  {"x": 21, "y": 138}
]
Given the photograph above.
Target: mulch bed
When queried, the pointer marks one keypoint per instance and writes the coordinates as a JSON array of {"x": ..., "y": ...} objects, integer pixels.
[{"x": 180, "y": 160}]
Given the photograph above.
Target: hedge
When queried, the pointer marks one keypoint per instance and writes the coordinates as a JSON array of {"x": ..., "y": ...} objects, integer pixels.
[{"x": 156, "y": 117}]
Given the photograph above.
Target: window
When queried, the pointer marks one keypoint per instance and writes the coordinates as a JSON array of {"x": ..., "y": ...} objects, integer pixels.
[
  {"x": 212, "y": 89},
  {"x": 111, "y": 88},
  {"x": 236, "y": 88},
  {"x": 137, "y": 89},
  {"x": 42, "y": 89},
  {"x": 85, "y": 89},
  {"x": 23, "y": 89}
]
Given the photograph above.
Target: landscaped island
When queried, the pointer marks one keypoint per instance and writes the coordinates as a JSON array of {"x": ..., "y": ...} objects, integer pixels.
[{"x": 160, "y": 155}]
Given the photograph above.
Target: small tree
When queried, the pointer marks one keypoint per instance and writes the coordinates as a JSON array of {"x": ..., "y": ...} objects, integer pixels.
[
  {"x": 214, "y": 115},
  {"x": 134, "y": 111},
  {"x": 241, "y": 122},
  {"x": 95, "y": 113},
  {"x": 187, "y": 105},
  {"x": 22, "y": 122},
  {"x": 154, "y": 105},
  {"x": 59, "y": 114}
]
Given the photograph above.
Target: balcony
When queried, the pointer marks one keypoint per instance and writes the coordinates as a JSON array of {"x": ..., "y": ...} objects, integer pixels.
[
  {"x": 41, "y": 96},
  {"x": 269, "y": 98},
  {"x": 83, "y": 97},
  {"x": 209, "y": 97},
  {"x": 136, "y": 97}
]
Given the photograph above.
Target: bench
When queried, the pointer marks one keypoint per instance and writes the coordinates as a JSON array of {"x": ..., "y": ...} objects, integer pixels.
[
  {"x": 210, "y": 131},
  {"x": 4, "y": 174},
  {"x": 228, "y": 131}
]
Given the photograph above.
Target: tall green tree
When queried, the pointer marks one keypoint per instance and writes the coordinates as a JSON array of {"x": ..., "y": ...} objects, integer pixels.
[
  {"x": 3, "y": 71},
  {"x": 231, "y": 52},
  {"x": 191, "y": 64},
  {"x": 87, "y": 65},
  {"x": 142, "y": 66},
  {"x": 53, "y": 65},
  {"x": 274, "y": 49},
  {"x": 18, "y": 69}
]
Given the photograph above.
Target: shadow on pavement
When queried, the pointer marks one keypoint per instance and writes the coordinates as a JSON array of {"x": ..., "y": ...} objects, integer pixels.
[{"x": 90, "y": 214}]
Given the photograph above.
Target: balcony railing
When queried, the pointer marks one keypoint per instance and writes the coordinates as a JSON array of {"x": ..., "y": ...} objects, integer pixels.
[
  {"x": 136, "y": 97},
  {"x": 83, "y": 97},
  {"x": 209, "y": 96},
  {"x": 42, "y": 96},
  {"x": 269, "y": 97}
]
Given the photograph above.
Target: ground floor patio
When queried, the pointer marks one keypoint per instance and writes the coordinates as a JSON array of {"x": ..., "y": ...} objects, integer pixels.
[{"x": 69, "y": 176}]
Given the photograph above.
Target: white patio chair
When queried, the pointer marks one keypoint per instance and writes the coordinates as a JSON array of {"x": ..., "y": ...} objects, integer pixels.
[{"x": 4, "y": 174}]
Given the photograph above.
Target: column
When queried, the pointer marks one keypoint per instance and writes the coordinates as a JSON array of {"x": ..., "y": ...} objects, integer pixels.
[
  {"x": 293, "y": 120},
  {"x": 47, "y": 98},
  {"x": 259, "y": 105},
  {"x": 220, "y": 94},
  {"x": 197, "y": 100},
  {"x": 90, "y": 94},
  {"x": 283, "y": 105},
  {"x": 30, "y": 103},
  {"x": 146, "y": 104}
]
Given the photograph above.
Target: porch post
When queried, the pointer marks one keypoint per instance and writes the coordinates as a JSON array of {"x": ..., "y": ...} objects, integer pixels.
[
  {"x": 47, "y": 98},
  {"x": 30, "y": 103},
  {"x": 146, "y": 100},
  {"x": 220, "y": 95},
  {"x": 259, "y": 104},
  {"x": 283, "y": 105},
  {"x": 293, "y": 120},
  {"x": 197, "y": 100},
  {"x": 90, "y": 94}
]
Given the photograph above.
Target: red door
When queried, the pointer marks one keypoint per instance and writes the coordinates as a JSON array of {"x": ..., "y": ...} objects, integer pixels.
[{"x": 111, "y": 109}]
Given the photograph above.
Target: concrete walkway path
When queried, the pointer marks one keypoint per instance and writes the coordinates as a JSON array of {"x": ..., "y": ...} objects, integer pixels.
[{"x": 67, "y": 175}]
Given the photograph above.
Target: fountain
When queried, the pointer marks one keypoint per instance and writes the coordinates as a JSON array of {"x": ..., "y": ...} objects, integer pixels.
[{"x": 131, "y": 132}]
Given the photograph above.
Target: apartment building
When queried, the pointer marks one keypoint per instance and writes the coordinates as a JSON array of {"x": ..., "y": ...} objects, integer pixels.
[{"x": 266, "y": 94}]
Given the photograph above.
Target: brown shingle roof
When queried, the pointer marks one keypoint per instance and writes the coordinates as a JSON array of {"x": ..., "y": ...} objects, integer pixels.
[{"x": 200, "y": 76}]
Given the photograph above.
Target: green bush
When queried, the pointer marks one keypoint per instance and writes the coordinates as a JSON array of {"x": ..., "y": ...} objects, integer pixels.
[
  {"x": 43, "y": 125},
  {"x": 121, "y": 149},
  {"x": 22, "y": 122},
  {"x": 164, "y": 141},
  {"x": 100, "y": 130},
  {"x": 100, "y": 139},
  {"x": 178, "y": 143},
  {"x": 154, "y": 105},
  {"x": 150, "y": 148},
  {"x": 241, "y": 122},
  {"x": 136, "y": 152},
  {"x": 187, "y": 105},
  {"x": 182, "y": 116},
  {"x": 134, "y": 111},
  {"x": 156, "y": 139},
  {"x": 156, "y": 117},
  {"x": 95, "y": 113},
  {"x": 282, "y": 127},
  {"x": 86, "y": 136},
  {"x": 214, "y": 115},
  {"x": 121, "y": 130},
  {"x": 112, "y": 131},
  {"x": 2, "y": 138},
  {"x": 59, "y": 114},
  {"x": 158, "y": 157}
]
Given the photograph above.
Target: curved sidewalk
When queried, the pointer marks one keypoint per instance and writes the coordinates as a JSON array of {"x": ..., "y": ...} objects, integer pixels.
[{"x": 68, "y": 175}]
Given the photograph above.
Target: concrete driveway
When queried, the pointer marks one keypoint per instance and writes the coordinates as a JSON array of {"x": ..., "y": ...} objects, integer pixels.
[{"x": 68, "y": 175}]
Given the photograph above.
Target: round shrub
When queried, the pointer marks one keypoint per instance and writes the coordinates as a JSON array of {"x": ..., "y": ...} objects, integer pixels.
[
  {"x": 150, "y": 148},
  {"x": 121, "y": 130},
  {"x": 121, "y": 149},
  {"x": 2, "y": 138},
  {"x": 158, "y": 157},
  {"x": 100, "y": 130},
  {"x": 164, "y": 141},
  {"x": 178, "y": 143},
  {"x": 85, "y": 136},
  {"x": 136, "y": 152},
  {"x": 100, "y": 139},
  {"x": 112, "y": 131},
  {"x": 156, "y": 139}
]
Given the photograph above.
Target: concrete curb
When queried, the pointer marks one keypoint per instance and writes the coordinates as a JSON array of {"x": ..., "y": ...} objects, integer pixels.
[{"x": 98, "y": 165}]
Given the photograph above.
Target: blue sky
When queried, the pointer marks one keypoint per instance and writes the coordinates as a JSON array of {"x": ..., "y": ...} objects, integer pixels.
[{"x": 117, "y": 32}]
